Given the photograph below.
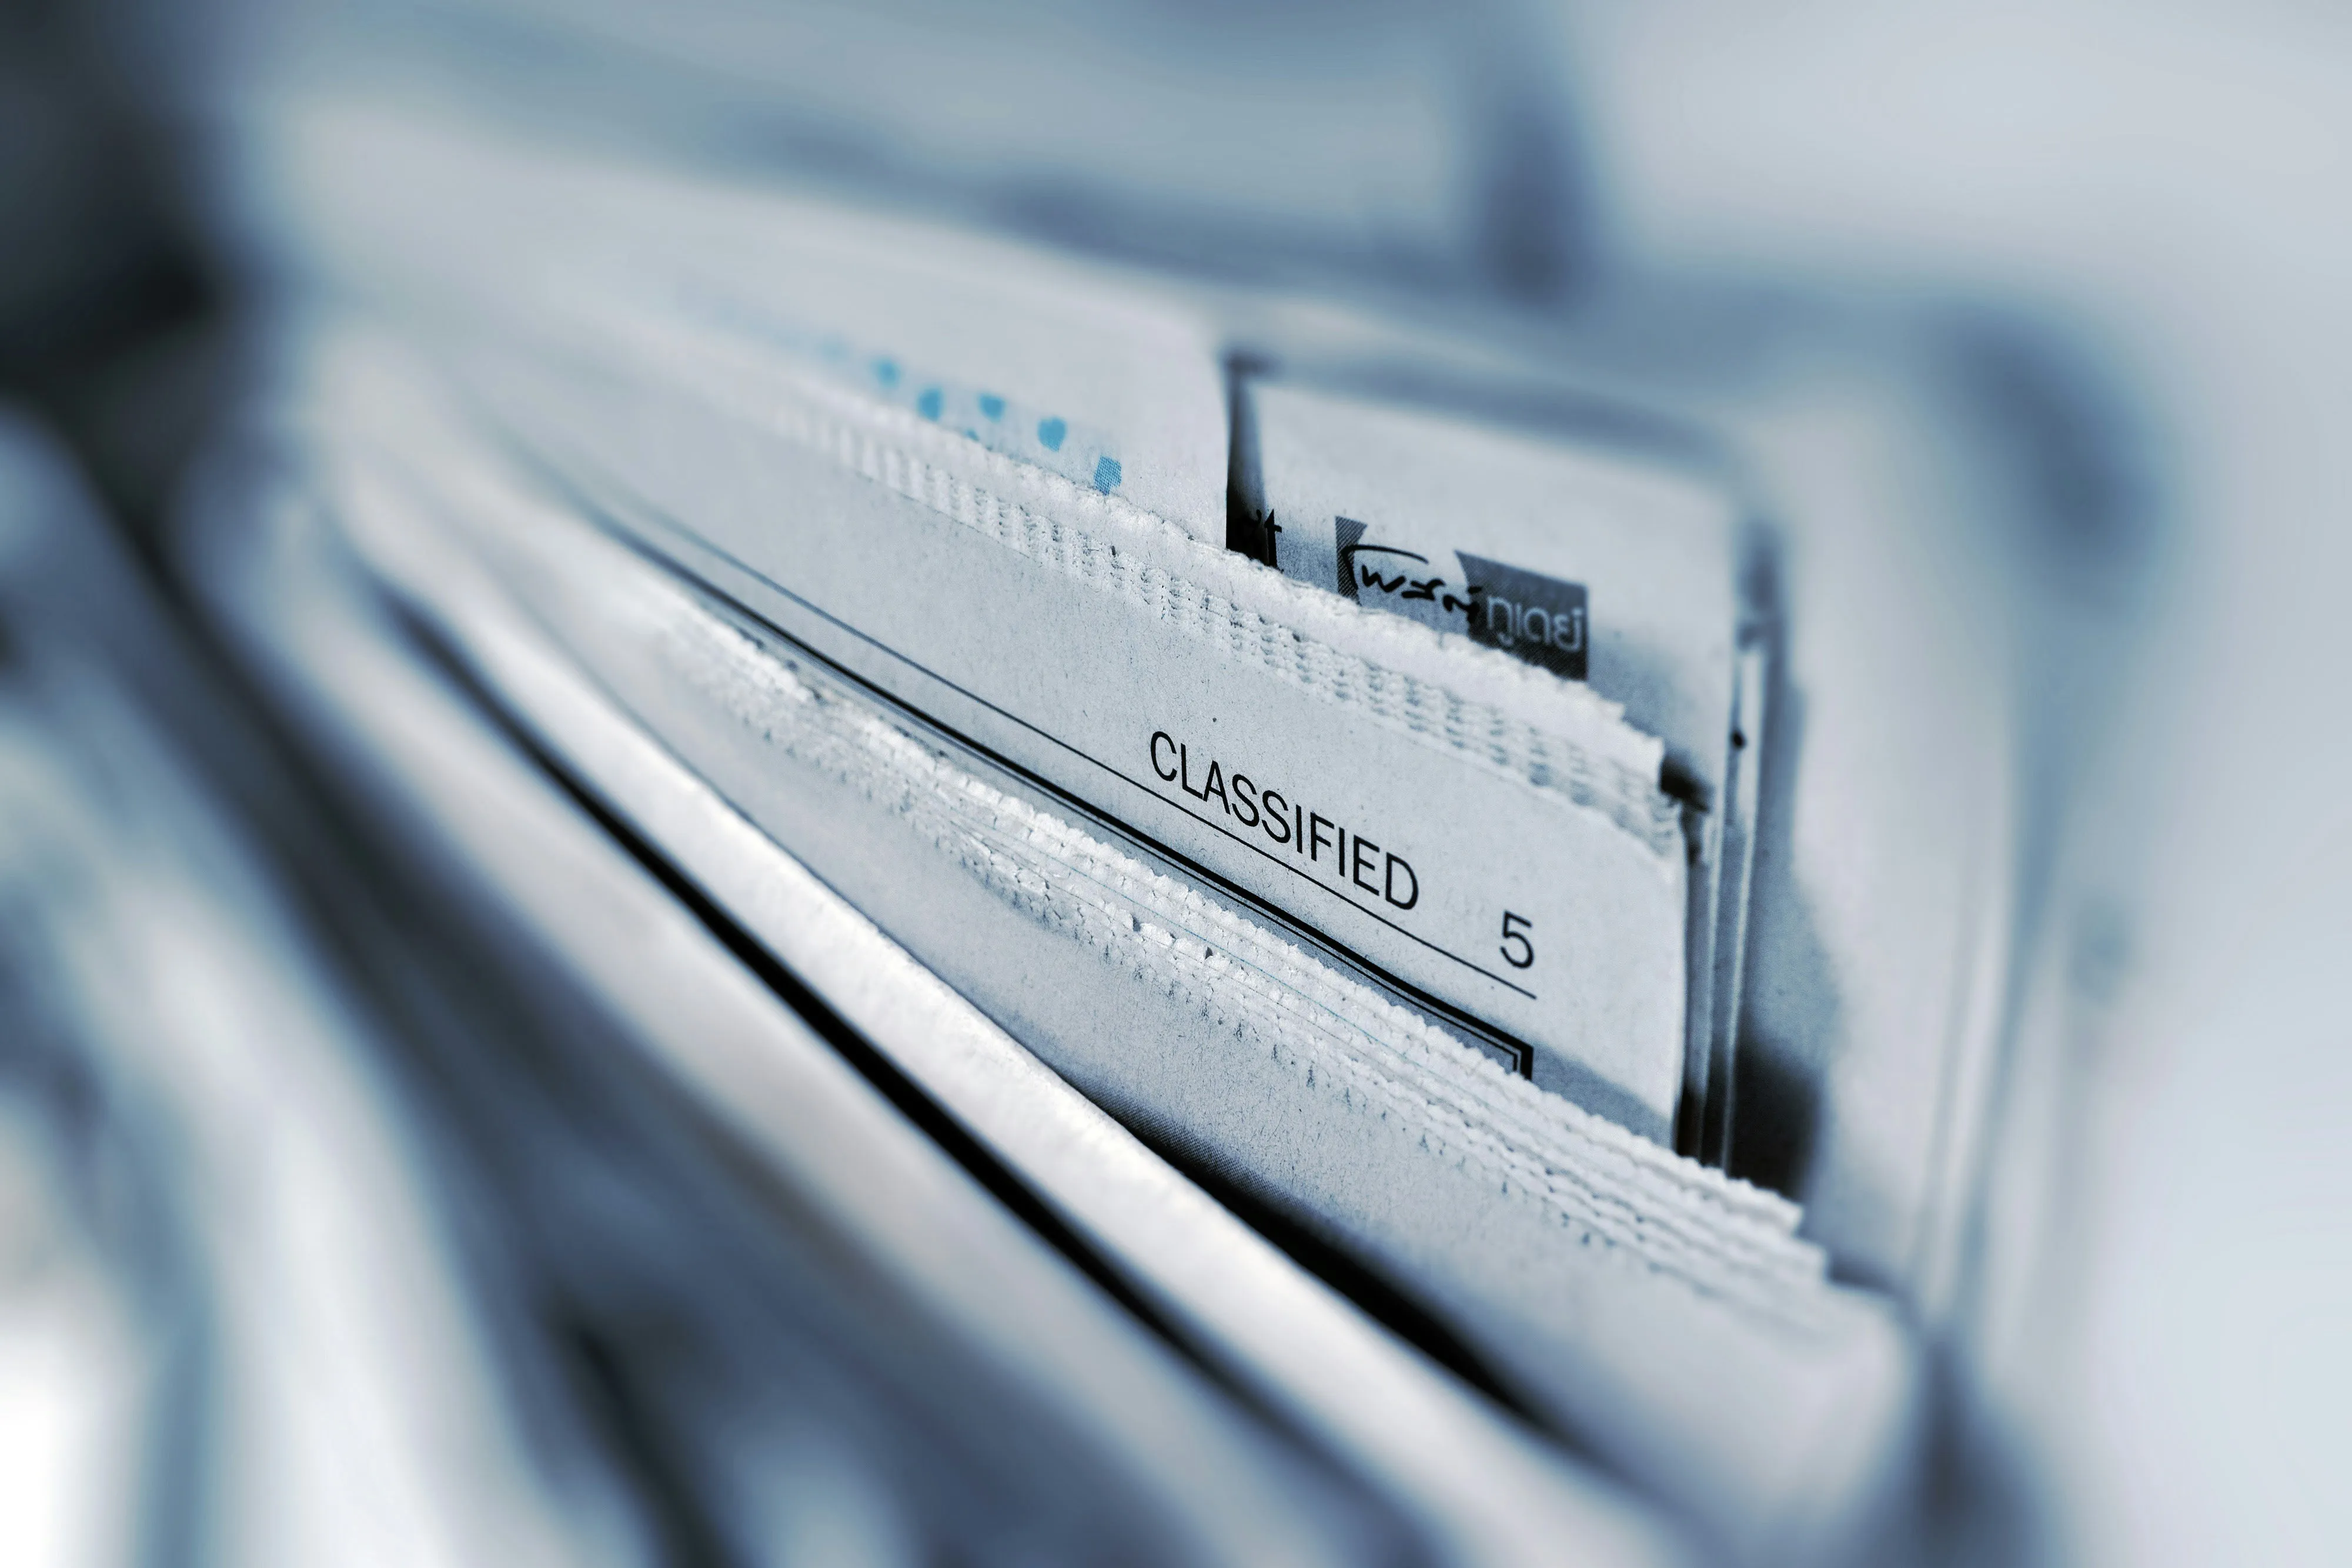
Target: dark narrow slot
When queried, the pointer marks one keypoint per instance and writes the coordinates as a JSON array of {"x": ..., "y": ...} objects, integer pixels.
[
  {"x": 608, "y": 1386},
  {"x": 1382, "y": 1299},
  {"x": 1250, "y": 528}
]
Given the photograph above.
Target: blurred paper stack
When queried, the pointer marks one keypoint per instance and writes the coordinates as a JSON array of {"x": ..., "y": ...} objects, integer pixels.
[{"x": 885, "y": 783}]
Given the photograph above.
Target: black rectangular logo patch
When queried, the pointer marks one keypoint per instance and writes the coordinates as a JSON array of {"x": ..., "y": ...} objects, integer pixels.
[{"x": 1537, "y": 618}]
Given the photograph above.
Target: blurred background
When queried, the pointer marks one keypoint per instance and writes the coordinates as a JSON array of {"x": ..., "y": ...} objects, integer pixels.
[{"x": 293, "y": 1266}]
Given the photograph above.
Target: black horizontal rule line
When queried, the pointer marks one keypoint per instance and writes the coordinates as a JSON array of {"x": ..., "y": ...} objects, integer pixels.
[{"x": 695, "y": 539}]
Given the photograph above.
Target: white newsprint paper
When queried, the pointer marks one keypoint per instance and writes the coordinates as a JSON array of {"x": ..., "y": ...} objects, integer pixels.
[
  {"x": 1590, "y": 542},
  {"x": 1579, "y": 555},
  {"x": 1488, "y": 842}
]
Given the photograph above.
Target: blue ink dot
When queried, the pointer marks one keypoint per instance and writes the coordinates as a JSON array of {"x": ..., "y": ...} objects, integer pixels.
[
  {"x": 992, "y": 407},
  {"x": 1107, "y": 473},
  {"x": 969, "y": 432},
  {"x": 1050, "y": 431},
  {"x": 927, "y": 405},
  {"x": 887, "y": 371}
]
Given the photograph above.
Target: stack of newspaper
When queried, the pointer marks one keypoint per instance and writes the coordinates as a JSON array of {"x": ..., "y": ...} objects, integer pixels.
[{"x": 1235, "y": 843}]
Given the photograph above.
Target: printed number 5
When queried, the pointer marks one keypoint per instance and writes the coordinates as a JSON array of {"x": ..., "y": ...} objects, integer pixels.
[{"x": 1518, "y": 951}]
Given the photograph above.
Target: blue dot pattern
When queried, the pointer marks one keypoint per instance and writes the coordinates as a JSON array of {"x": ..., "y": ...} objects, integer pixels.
[{"x": 1076, "y": 452}]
